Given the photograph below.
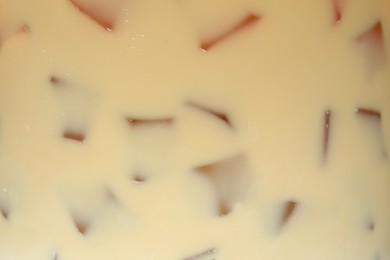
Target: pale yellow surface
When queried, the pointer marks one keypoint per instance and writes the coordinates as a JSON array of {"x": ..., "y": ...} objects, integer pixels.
[{"x": 274, "y": 80}]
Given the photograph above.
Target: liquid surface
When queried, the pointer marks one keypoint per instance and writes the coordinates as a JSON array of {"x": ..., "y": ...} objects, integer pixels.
[{"x": 208, "y": 129}]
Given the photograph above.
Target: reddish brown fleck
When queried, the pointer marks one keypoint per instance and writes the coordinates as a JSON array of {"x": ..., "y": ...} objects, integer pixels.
[
  {"x": 96, "y": 13},
  {"x": 230, "y": 179},
  {"x": 133, "y": 121},
  {"x": 208, "y": 252},
  {"x": 337, "y": 12},
  {"x": 216, "y": 114},
  {"x": 372, "y": 44},
  {"x": 82, "y": 226},
  {"x": 287, "y": 211},
  {"x": 374, "y": 35},
  {"x": 55, "y": 80},
  {"x": 327, "y": 121},
  {"x": 374, "y": 115},
  {"x": 4, "y": 212},
  {"x": 224, "y": 208},
  {"x": 75, "y": 136},
  {"x": 368, "y": 112},
  {"x": 206, "y": 169},
  {"x": 25, "y": 29},
  {"x": 138, "y": 178},
  {"x": 249, "y": 20}
]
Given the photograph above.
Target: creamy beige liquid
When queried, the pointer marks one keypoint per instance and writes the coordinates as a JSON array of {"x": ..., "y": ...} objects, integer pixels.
[{"x": 188, "y": 184}]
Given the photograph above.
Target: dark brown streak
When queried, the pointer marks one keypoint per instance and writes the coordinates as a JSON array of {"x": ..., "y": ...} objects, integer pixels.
[
  {"x": 206, "y": 168},
  {"x": 375, "y": 115},
  {"x": 368, "y": 112},
  {"x": 139, "y": 178},
  {"x": 247, "y": 21},
  {"x": 217, "y": 114},
  {"x": 203, "y": 254},
  {"x": 82, "y": 226},
  {"x": 373, "y": 36},
  {"x": 229, "y": 178},
  {"x": 55, "y": 80},
  {"x": 90, "y": 12},
  {"x": 327, "y": 122},
  {"x": 224, "y": 208},
  {"x": 373, "y": 47},
  {"x": 337, "y": 11},
  {"x": 4, "y": 212},
  {"x": 288, "y": 210},
  {"x": 75, "y": 136},
  {"x": 156, "y": 121}
]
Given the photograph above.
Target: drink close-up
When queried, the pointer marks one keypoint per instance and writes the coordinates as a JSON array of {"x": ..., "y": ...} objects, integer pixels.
[{"x": 195, "y": 129}]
